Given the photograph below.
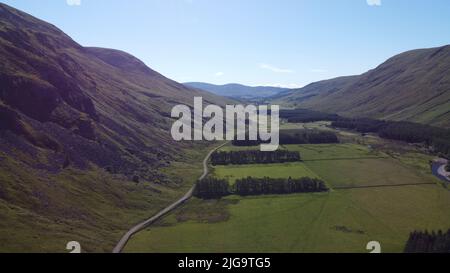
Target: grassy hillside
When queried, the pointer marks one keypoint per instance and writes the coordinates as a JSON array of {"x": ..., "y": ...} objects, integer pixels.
[
  {"x": 41, "y": 211},
  {"x": 79, "y": 127},
  {"x": 412, "y": 86}
]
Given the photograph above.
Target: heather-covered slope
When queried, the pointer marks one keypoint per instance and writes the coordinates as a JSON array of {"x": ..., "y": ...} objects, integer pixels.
[
  {"x": 413, "y": 86},
  {"x": 78, "y": 128}
]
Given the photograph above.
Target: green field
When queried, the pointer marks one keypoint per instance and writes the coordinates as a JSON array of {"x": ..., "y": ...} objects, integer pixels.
[
  {"x": 334, "y": 151},
  {"x": 272, "y": 170},
  {"x": 340, "y": 221},
  {"x": 321, "y": 125},
  {"x": 340, "y": 165},
  {"x": 343, "y": 220}
]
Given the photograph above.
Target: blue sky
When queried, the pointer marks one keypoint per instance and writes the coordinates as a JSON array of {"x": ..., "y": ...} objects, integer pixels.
[{"x": 254, "y": 42}]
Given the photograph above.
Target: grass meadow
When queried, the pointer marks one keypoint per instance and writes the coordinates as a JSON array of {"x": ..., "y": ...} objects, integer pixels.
[{"x": 343, "y": 220}]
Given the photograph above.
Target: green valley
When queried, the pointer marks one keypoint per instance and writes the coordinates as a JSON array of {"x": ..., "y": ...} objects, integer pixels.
[
  {"x": 267, "y": 147},
  {"x": 375, "y": 195}
]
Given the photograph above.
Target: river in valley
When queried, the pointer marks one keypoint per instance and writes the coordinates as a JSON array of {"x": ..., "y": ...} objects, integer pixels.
[{"x": 435, "y": 169}]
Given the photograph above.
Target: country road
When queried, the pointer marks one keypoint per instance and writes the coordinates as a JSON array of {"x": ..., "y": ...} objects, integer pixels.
[{"x": 121, "y": 244}]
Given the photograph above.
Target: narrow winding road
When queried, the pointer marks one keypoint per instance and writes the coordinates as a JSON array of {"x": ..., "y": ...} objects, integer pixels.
[{"x": 119, "y": 247}]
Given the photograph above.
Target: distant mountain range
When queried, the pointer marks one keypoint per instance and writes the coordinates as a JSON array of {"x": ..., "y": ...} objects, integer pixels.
[
  {"x": 239, "y": 91},
  {"x": 412, "y": 86}
]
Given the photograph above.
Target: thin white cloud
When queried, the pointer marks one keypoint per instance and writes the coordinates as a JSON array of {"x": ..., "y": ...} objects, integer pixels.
[
  {"x": 219, "y": 74},
  {"x": 73, "y": 2},
  {"x": 275, "y": 69},
  {"x": 374, "y": 2}
]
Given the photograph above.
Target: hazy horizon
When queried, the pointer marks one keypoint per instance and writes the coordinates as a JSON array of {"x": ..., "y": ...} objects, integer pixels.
[{"x": 255, "y": 43}]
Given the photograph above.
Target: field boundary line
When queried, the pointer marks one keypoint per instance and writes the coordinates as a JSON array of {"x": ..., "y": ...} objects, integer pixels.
[
  {"x": 382, "y": 186},
  {"x": 346, "y": 158}
]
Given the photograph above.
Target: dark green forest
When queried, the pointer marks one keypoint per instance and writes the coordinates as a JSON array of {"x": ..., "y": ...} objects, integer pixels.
[
  {"x": 296, "y": 136},
  {"x": 254, "y": 157},
  {"x": 213, "y": 188},
  {"x": 437, "y": 138},
  {"x": 304, "y": 115},
  {"x": 425, "y": 242},
  {"x": 262, "y": 186}
]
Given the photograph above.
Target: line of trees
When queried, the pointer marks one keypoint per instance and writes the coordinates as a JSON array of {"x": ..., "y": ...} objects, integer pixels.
[
  {"x": 307, "y": 137},
  {"x": 304, "y": 115},
  {"x": 296, "y": 136},
  {"x": 438, "y": 138},
  {"x": 425, "y": 242},
  {"x": 213, "y": 188},
  {"x": 247, "y": 142},
  {"x": 253, "y": 157},
  {"x": 262, "y": 186},
  {"x": 361, "y": 125}
]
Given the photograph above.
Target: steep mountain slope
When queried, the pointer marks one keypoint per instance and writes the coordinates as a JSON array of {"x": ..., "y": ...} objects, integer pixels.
[
  {"x": 413, "y": 86},
  {"x": 77, "y": 125},
  {"x": 234, "y": 90}
]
